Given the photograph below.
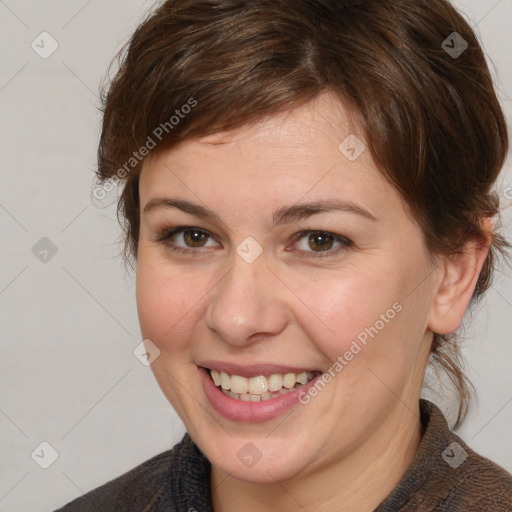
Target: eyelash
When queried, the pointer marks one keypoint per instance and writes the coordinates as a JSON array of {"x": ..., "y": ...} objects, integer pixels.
[{"x": 164, "y": 236}]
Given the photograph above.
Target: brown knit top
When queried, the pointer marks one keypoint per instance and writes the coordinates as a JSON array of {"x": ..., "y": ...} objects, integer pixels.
[{"x": 445, "y": 475}]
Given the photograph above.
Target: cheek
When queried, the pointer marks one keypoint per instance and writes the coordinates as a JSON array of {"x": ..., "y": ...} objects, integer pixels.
[
  {"x": 366, "y": 323},
  {"x": 357, "y": 307},
  {"x": 167, "y": 303}
]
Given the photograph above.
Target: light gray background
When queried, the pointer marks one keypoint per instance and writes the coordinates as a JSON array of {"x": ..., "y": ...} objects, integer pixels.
[{"x": 68, "y": 375}]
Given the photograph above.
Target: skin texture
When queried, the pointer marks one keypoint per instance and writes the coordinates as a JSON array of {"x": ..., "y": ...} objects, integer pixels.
[{"x": 349, "y": 446}]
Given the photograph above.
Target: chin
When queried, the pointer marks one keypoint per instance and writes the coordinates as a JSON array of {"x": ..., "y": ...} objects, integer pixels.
[{"x": 258, "y": 461}]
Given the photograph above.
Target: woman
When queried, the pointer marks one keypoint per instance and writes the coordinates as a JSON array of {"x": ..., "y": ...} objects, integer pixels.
[{"x": 309, "y": 203}]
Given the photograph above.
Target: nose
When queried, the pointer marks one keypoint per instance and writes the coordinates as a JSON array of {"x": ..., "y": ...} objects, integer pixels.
[{"x": 246, "y": 305}]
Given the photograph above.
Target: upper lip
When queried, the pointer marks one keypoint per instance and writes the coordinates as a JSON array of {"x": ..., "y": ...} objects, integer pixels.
[{"x": 252, "y": 370}]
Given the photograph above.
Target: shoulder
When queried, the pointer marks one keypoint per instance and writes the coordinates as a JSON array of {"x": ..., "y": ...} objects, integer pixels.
[
  {"x": 164, "y": 483},
  {"x": 460, "y": 478},
  {"x": 131, "y": 491},
  {"x": 448, "y": 476},
  {"x": 477, "y": 484}
]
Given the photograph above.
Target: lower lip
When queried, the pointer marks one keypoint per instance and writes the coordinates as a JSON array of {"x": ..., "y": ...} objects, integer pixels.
[{"x": 253, "y": 412}]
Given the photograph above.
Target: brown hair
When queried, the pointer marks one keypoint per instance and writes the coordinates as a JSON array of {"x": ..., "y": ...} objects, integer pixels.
[{"x": 431, "y": 117}]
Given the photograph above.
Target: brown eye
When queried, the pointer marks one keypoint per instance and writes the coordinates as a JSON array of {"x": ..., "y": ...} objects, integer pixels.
[
  {"x": 194, "y": 238},
  {"x": 185, "y": 239},
  {"x": 320, "y": 241},
  {"x": 320, "y": 244}
]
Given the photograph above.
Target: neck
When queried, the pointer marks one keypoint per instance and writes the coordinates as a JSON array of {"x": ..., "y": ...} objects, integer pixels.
[{"x": 359, "y": 482}]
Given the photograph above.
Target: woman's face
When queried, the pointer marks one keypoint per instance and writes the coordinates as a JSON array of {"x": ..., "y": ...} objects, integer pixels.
[{"x": 250, "y": 291}]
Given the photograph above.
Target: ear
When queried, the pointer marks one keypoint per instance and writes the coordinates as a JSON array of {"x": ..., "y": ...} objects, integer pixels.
[{"x": 459, "y": 277}]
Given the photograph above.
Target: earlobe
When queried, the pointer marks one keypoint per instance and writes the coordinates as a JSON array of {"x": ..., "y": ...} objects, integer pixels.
[{"x": 457, "y": 284}]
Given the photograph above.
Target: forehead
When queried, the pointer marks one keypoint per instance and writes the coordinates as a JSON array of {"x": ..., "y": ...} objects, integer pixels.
[
  {"x": 289, "y": 138},
  {"x": 324, "y": 115},
  {"x": 299, "y": 154}
]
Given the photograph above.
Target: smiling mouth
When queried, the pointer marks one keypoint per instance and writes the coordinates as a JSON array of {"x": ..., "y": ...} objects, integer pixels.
[{"x": 259, "y": 388}]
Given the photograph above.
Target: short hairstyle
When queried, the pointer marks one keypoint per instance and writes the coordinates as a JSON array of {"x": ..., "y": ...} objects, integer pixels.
[{"x": 423, "y": 100}]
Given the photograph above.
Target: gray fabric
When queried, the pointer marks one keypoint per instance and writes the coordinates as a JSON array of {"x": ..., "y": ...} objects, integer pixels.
[{"x": 179, "y": 480}]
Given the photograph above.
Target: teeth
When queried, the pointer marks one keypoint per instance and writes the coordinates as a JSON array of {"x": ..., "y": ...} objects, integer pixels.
[
  {"x": 289, "y": 380},
  {"x": 257, "y": 385},
  {"x": 275, "y": 382},
  {"x": 302, "y": 377},
  {"x": 225, "y": 380},
  {"x": 216, "y": 377},
  {"x": 259, "y": 388},
  {"x": 239, "y": 384}
]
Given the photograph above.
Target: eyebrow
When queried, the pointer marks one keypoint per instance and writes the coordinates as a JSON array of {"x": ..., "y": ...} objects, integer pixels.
[{"x": 283, "y": 215}]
